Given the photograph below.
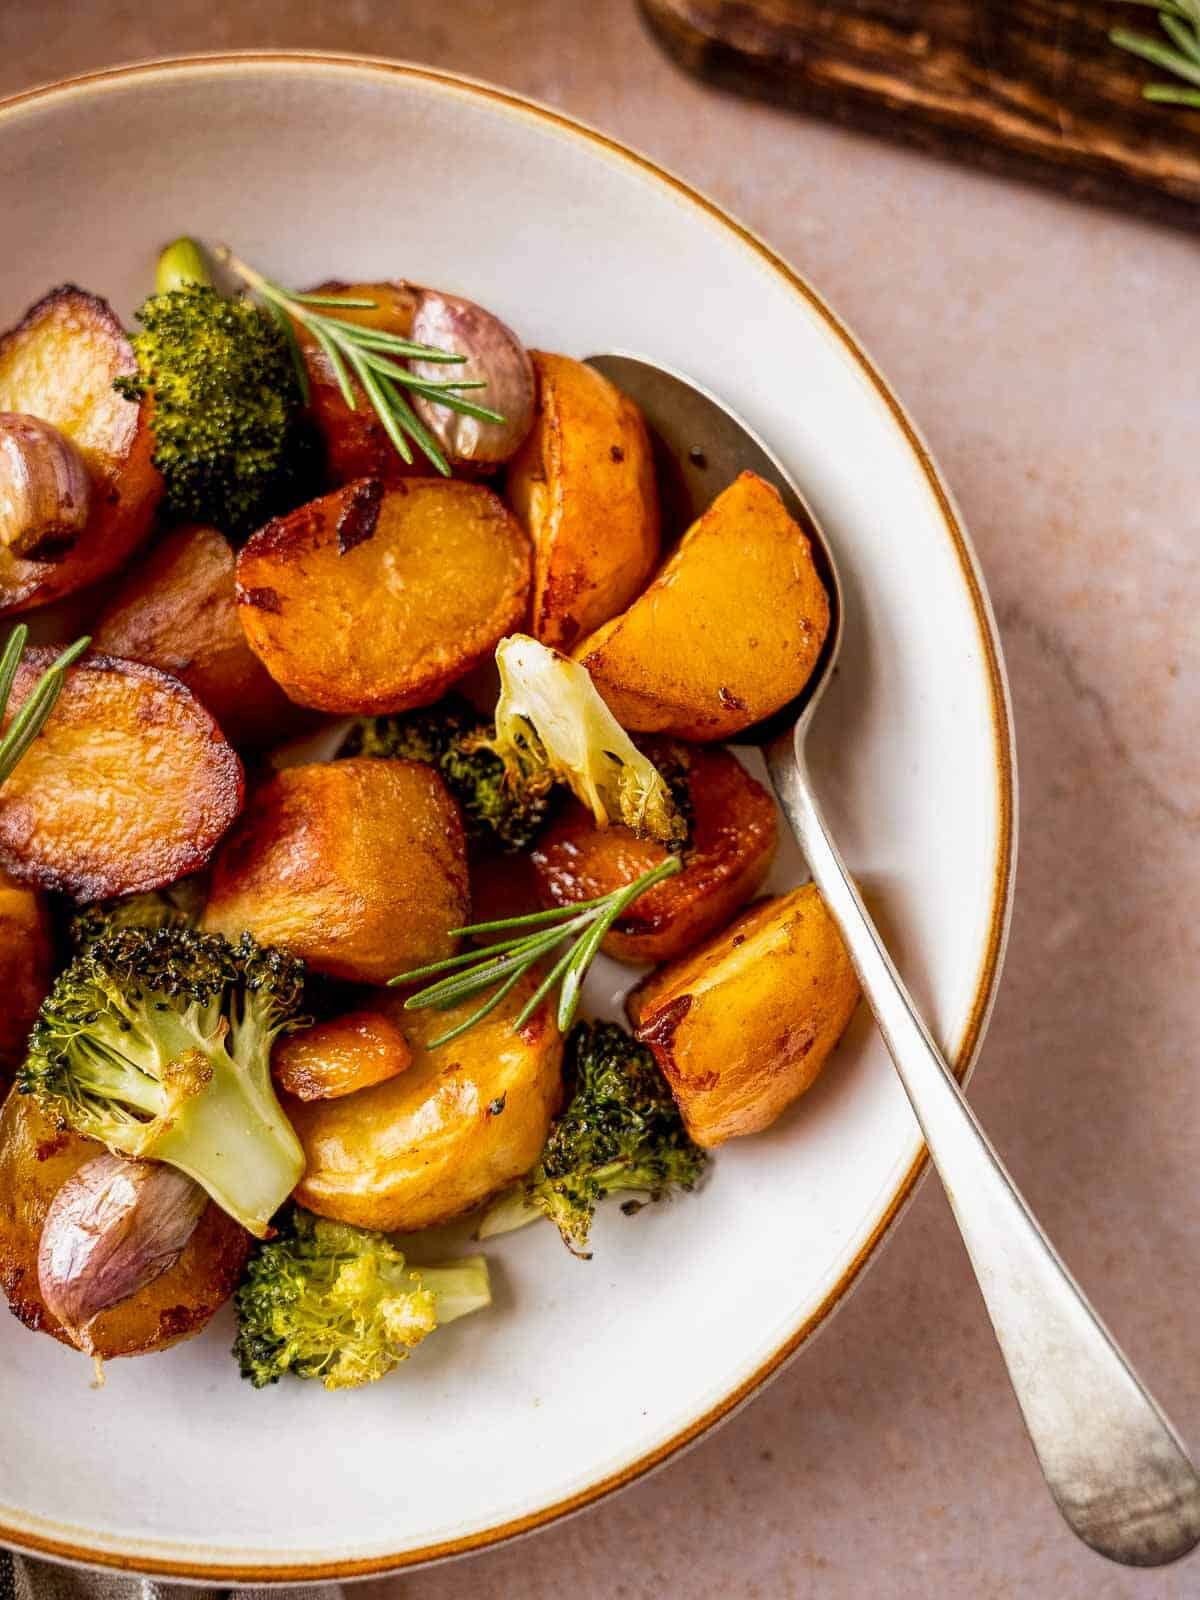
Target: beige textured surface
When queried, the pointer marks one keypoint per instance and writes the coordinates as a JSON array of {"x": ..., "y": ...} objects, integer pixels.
[{"x": 1049, "y": 353}]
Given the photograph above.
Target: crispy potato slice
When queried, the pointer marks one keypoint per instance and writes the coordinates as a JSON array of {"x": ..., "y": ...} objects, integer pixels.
[
  {"x": 583, "y": 487},
  {"x": 729, "y": 630},
  {"x": 36, "y": 1159},
  {"x": 356, "y": 443},
  {"x": 464, "y": 1121},
  {"x": 334, "y": 1058},
  {"x": 358, "y": 866},
  {"x": 368, "y": 601},
  {"x": 58, "y": 364},
  {"x": 176, "y": 611},
  {"x": 26, "y": 963},
  {"x": 742, "y": 1026},
  {"x": 732, "y": 842},
  {"x": 129, "y": 787}
]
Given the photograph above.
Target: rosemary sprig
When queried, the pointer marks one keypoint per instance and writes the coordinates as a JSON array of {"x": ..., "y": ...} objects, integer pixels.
[
  {"x": 372, "y": 355},
  {"x": 1180, "y": 21},
  {"x": 502, "y": 966},
  {"x": 31, "y": 719}
]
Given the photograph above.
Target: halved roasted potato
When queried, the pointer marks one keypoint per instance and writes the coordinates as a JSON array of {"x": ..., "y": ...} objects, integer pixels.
[
  {"x": 356, "y": 442},
  {"x": 358, "y": 866},
  {"x": 58, "y": 364},
  {"x": 371, "y": 600},
  {"x": 129, "y": 787},
  {"x": 354, "y": 1051},
  {"x": 729, "y": 630},
  {"x": 26, "y": 962},
  {"x": 176, "y": 611},
  {"x": 742, "y": 1026},
  {"x": 731, "y": 842},
  {"x": 583, "y": 487},
  {"x": 36, "y": 1159},
  {"x": 463, "y": 1122}
]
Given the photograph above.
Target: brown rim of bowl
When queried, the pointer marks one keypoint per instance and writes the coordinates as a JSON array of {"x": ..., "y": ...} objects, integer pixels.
[{"x": 330, "y": 1571}]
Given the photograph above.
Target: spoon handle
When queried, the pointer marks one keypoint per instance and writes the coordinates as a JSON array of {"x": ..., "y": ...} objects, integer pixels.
[{"x": 1112, "y": 1461}]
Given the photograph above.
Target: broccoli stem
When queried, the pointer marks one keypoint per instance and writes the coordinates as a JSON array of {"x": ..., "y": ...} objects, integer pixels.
[
  {"x": 180, "y": 264},
  {"x": 510, "y": 1211},
  {"x": 236, "y": 1145},
  {"x": 458, "y": 1289}
]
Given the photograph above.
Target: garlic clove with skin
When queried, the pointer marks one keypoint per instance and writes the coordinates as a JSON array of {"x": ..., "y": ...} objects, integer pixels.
[
  {"x": 113, "y": 1227},
  {"x": 45, "y": 490},
  {"x": 494, "y": 357}
]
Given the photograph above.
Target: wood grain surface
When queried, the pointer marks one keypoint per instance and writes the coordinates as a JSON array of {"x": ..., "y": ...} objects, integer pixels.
[{"x": 1033, "y": 88}]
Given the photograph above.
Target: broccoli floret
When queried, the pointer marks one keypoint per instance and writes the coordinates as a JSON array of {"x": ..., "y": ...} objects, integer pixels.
[
  {"x": 157, "y": 1042},
  {"x": 452, "y": 738},
  {"x": 177, "y": 906},
  {"x": 326, "y": 1300},
  {"x": 230, "y": 436},
  {"x": 553, "y": 727},
  {"x": 621, "y": 1131}
]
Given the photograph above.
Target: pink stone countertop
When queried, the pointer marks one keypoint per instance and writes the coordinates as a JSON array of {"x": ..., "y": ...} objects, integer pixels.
[{"x": 1052, "y": 356}]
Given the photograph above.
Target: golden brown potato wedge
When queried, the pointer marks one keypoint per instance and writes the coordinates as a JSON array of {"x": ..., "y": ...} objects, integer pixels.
[
  {"x": 727, "y": 633},
  {"x": 338, "y": 1057},
  {"x": 358, "y": 866},
  {"x": 36, "y": 1159},
  {"x": 368, "y": 601},
  {"x": 742, "y": 1026},
  {"x": 464, "y": 1121},
  {"x": 583, "y": 487},
  {"x": 59, "y": 363},
  {"x": 129, "y": 787},
  {"x": 356, "y": 443},
  {"x": 176, "y": 611},
  {"x": 26, "y": 962},
  {"x": 729, "y": 852}
]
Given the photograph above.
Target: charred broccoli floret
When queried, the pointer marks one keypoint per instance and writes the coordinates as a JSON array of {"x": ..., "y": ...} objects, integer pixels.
[
  {"x": 553, "y": 727},
  {"x": 621, "y": 1131},
  {"x": 157, "y": 1042},
  {"x": 177, "y": 906},
  {"x": 450, "y": 737},
  {"x": 326, "y": 1300},
  {"x": 229, "y": 430}
]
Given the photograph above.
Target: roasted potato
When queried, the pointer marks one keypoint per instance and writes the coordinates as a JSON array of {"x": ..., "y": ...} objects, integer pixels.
[
  {"x": 358, "y": 866},
  {"x": 356, "y": 443},
  {"x": 334, "y": 1058},
  {"x": 176, "y": 611},
  {"x": 733, "y": 832},
  {"x": 129, "y": 787},
  {"x": 36, "y": 1159},
  {"x": 26, "y": 961},
  {"x": 464, "y": 1121},
  {"x": 727, "y": 633},
  {"x": 742, "y": 1026},
  {"x": 58, "y": 364},
  {"x": 583, "y": 487},
  {"x": 368, "y": 601}
]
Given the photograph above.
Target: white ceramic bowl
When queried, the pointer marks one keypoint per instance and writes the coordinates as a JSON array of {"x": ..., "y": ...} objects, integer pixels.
[{"x": 583, "y": 1376}]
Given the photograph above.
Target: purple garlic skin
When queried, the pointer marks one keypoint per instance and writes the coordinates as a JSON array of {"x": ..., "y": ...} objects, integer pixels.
[
  {"x": 495, "y": 357},
  {"x": 113, "y": 1227},
  {"x": 45, "y": 491}
]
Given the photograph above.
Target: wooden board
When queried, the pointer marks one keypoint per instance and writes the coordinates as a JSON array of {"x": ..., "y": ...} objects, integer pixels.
[{"x": 1032, "y": 88}]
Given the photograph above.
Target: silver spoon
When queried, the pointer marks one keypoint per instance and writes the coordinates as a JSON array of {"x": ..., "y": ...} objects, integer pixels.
[{"x": 1118, "y": 1472}]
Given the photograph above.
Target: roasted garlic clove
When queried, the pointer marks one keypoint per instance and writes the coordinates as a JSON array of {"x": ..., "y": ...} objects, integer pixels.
[
  {"x": 495, "y": 357},
  {"x": 45, "y": 490},
  {"x": 112, "y": 1228}
]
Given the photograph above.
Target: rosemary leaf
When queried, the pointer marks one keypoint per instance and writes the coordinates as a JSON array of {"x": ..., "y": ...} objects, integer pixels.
[
  {"x": 334, "y": 356},
  {"x": 1140, "y": 44}
]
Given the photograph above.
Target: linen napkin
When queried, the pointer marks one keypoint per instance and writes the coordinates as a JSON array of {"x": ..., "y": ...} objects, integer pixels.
[{"x": 24, "y": 1579}]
